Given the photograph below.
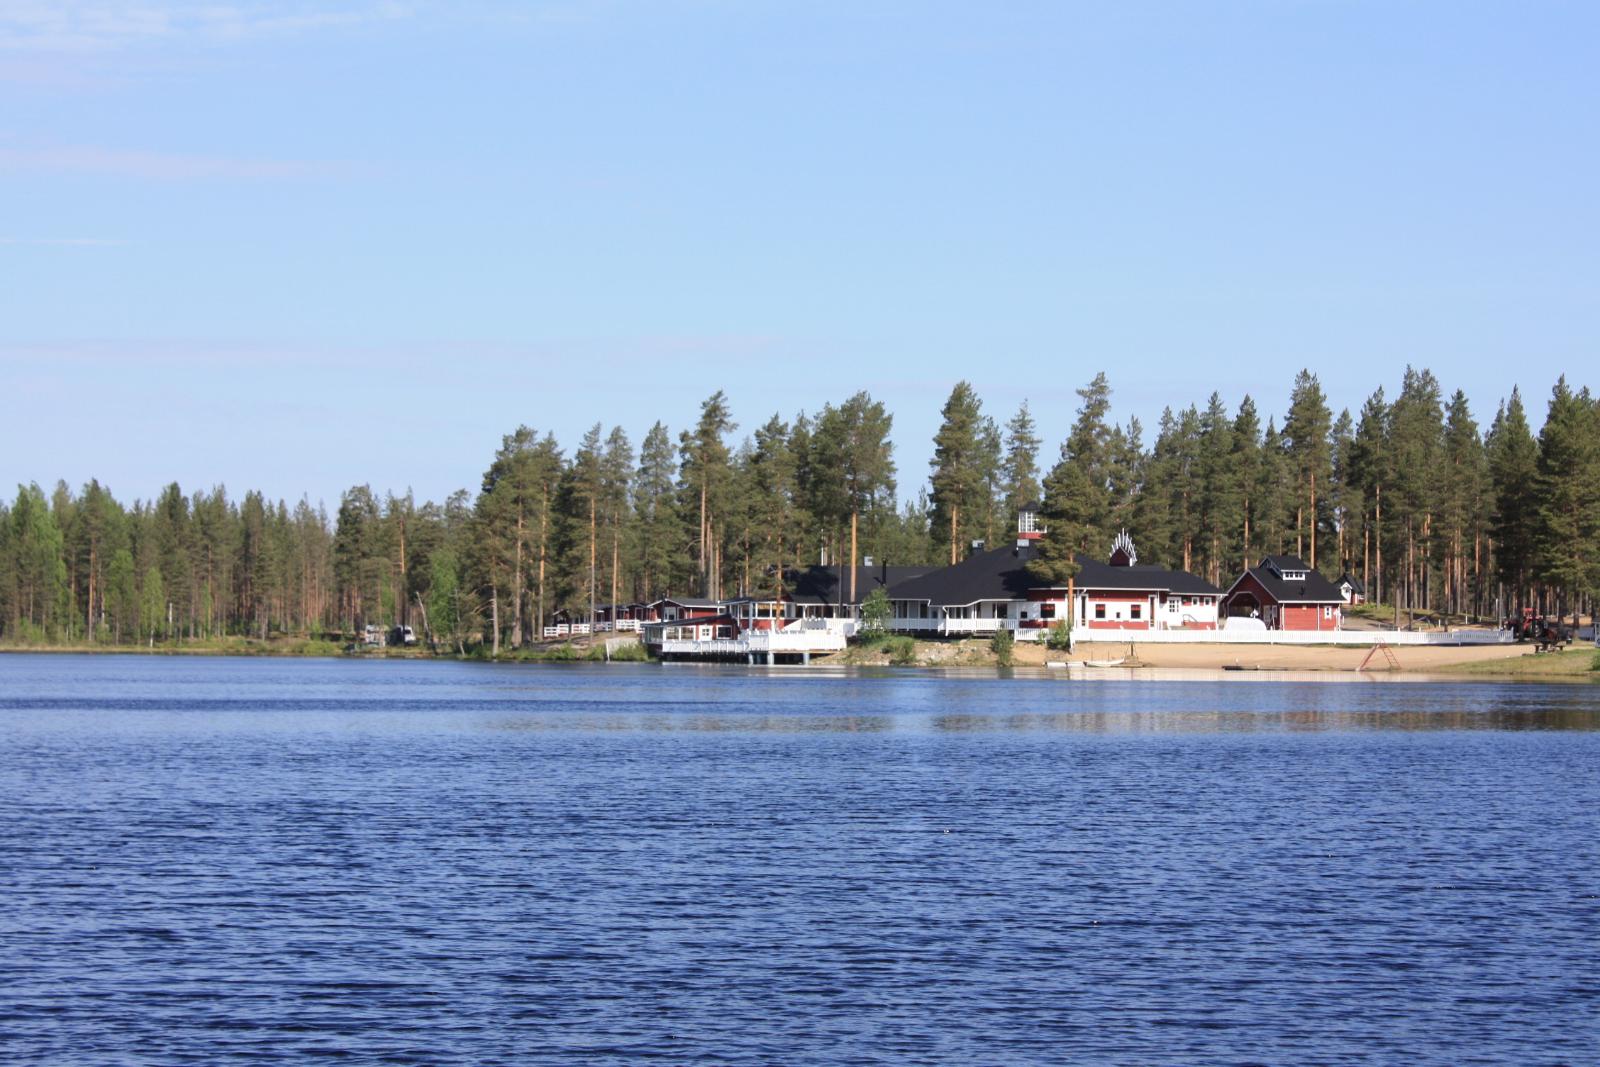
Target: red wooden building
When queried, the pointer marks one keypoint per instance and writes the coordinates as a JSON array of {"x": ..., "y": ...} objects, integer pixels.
[{"x": 1286, "y": 594}]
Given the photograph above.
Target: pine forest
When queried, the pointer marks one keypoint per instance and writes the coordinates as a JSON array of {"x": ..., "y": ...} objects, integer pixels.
[{"x": 1413, "y": 494}]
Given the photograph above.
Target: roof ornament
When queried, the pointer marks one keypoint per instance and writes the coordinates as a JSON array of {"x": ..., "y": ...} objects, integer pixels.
[{"x": 1124, "y": 545}]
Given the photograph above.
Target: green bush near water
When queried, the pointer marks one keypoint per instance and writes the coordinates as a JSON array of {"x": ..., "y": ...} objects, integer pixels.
[
  {"x": 902, "y": 651},
  {"x": 876, "y": 611},
  {"x": 1002, "y": 644},
  {"x": 1059, "y": 639}
]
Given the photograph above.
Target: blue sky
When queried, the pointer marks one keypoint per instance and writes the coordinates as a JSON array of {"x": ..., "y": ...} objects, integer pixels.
[{"x": 302, "y": 245}]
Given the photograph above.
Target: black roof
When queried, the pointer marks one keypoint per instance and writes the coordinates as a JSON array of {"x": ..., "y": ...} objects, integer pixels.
[
  {"x": 688, "y": 602},
  {"x": 820, "y": 585},
  {"x": 1001, "y": 574},
  {"x": 1313, "y": 589}
]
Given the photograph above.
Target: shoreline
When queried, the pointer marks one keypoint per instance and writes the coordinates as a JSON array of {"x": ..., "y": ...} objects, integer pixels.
[{"x": 974, "y": 658}]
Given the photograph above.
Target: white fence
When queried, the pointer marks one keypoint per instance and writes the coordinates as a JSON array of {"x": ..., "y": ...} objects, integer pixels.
[
  {"x": 578, "y": 629},
  {"x": 760, "y": 643},
  {"x": 945, "y": 627},
  {"x": 950, "y": 627},
  {"x": 1281, "y": 637}
]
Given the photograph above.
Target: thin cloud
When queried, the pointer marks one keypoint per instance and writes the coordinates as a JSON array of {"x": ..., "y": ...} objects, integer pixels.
[
  {"x": 157, "y": 166},
  {"x": 98, "y": 25},
  {"x": 60, "y": 242}
]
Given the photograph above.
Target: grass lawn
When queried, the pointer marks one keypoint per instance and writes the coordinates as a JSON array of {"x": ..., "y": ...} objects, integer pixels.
[{"x": 1578, "y": 661}]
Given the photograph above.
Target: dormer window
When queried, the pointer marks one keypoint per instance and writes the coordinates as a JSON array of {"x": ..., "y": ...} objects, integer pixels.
[
  {"x": 1289, "y": 568},
  {"x": 1027, "y": 522}
]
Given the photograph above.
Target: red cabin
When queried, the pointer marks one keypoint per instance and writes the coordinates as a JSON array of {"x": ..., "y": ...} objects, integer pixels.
[{"x": 1286, "y": 594}]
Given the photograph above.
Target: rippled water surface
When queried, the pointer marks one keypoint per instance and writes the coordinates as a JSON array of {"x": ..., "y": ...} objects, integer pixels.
[{"x": 208, "y": 861}]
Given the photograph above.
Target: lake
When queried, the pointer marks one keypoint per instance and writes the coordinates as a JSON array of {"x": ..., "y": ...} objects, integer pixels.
[{"x": 212, "y": 861}]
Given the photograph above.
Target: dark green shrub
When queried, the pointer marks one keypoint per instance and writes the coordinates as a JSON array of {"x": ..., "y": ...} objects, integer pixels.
[
  {"x": 876, "y": 611},
  {"x": 1059, "y": 639}
]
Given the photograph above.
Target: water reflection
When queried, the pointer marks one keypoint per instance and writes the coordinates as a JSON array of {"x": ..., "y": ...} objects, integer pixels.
[
  {"x": 1203, "y": 722},
  {"x": 451, "y": 864},
  {"x": 622, "y": 721},
  {"x": 1216, "y": 721}
]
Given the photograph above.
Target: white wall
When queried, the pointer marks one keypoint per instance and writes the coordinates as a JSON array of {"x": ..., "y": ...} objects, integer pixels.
[{"x": 1282, "y": 637}]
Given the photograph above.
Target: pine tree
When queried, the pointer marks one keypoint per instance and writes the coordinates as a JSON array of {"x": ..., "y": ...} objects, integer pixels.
[
  {"x": 152, "y": 604},
  {"x": 1069, "y": 502},
  {"x": 1247, "y": 472},
  {"x": 1567, "y": 534},
  {"x": 655, "y": 515},
  {"x": 1344, "y": 495},
  {"x": 616, "y": 477},
  {"x": 1416, "y": 436},
  {"x": 1513, "y": 457},
  {"x": 774, "y": 500},
  {"x": 1091, "y": 447},
  {"x": 957, "y": 479},
  {"x": 987, "y": 507},
  {"x": 1126, "y": 478},
  {"x": 703, "y": 480},
  {"x": 1462, "y": 495},
  {"x": 41, "y": 597},
  {"x": 1220, "y": 499},
  {"x": 867, "y": 470},
  {"x": 1157, "y": 517},
  {"x": 357, "y": 559},
  {"x": 1020, "y": 468},
  {"x": 172, "y": 536},
  {"x": 1370, "y": 469},
  {"x": 1305, "y": 441},
  {"x": 1274, "y": 494},
  {"x": 587, "y": 481},
  {"x": 121, "y": 595}
]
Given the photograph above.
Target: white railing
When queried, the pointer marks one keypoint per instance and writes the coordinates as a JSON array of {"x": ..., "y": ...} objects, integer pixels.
[
  {"x": 1281, "y": 637},
  {"x": 712, "y": 647},
  {"x": 1198, "y": 636},
  {"x": 578, "y": 629},
  {"x": 809, "y": 640},
  {"x": 948, "y": 626}
]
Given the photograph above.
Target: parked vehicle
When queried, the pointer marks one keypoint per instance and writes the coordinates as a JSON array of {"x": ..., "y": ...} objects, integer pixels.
[{"x": 1547, "y": 632}]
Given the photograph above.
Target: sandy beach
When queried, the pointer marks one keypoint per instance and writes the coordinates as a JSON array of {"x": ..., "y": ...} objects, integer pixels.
[{"x": 1423, "y": 658}]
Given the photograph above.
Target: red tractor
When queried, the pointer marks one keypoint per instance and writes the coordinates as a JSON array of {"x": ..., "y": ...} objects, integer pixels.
[{"x": 1548, "y": 633}]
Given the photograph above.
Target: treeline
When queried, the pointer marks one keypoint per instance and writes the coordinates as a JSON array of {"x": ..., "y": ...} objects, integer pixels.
[{"x": 1409, "y": 494}]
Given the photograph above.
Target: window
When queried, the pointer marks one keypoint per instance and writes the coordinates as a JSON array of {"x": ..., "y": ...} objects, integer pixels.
[
  {"x": 1327, "y": 611},
  {"x": 1099, "y": 611},
  {"x": 1135, "y": 609},
  {"x": 1047, "y": 610},
  {"x": 1173, "y": 606}
]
